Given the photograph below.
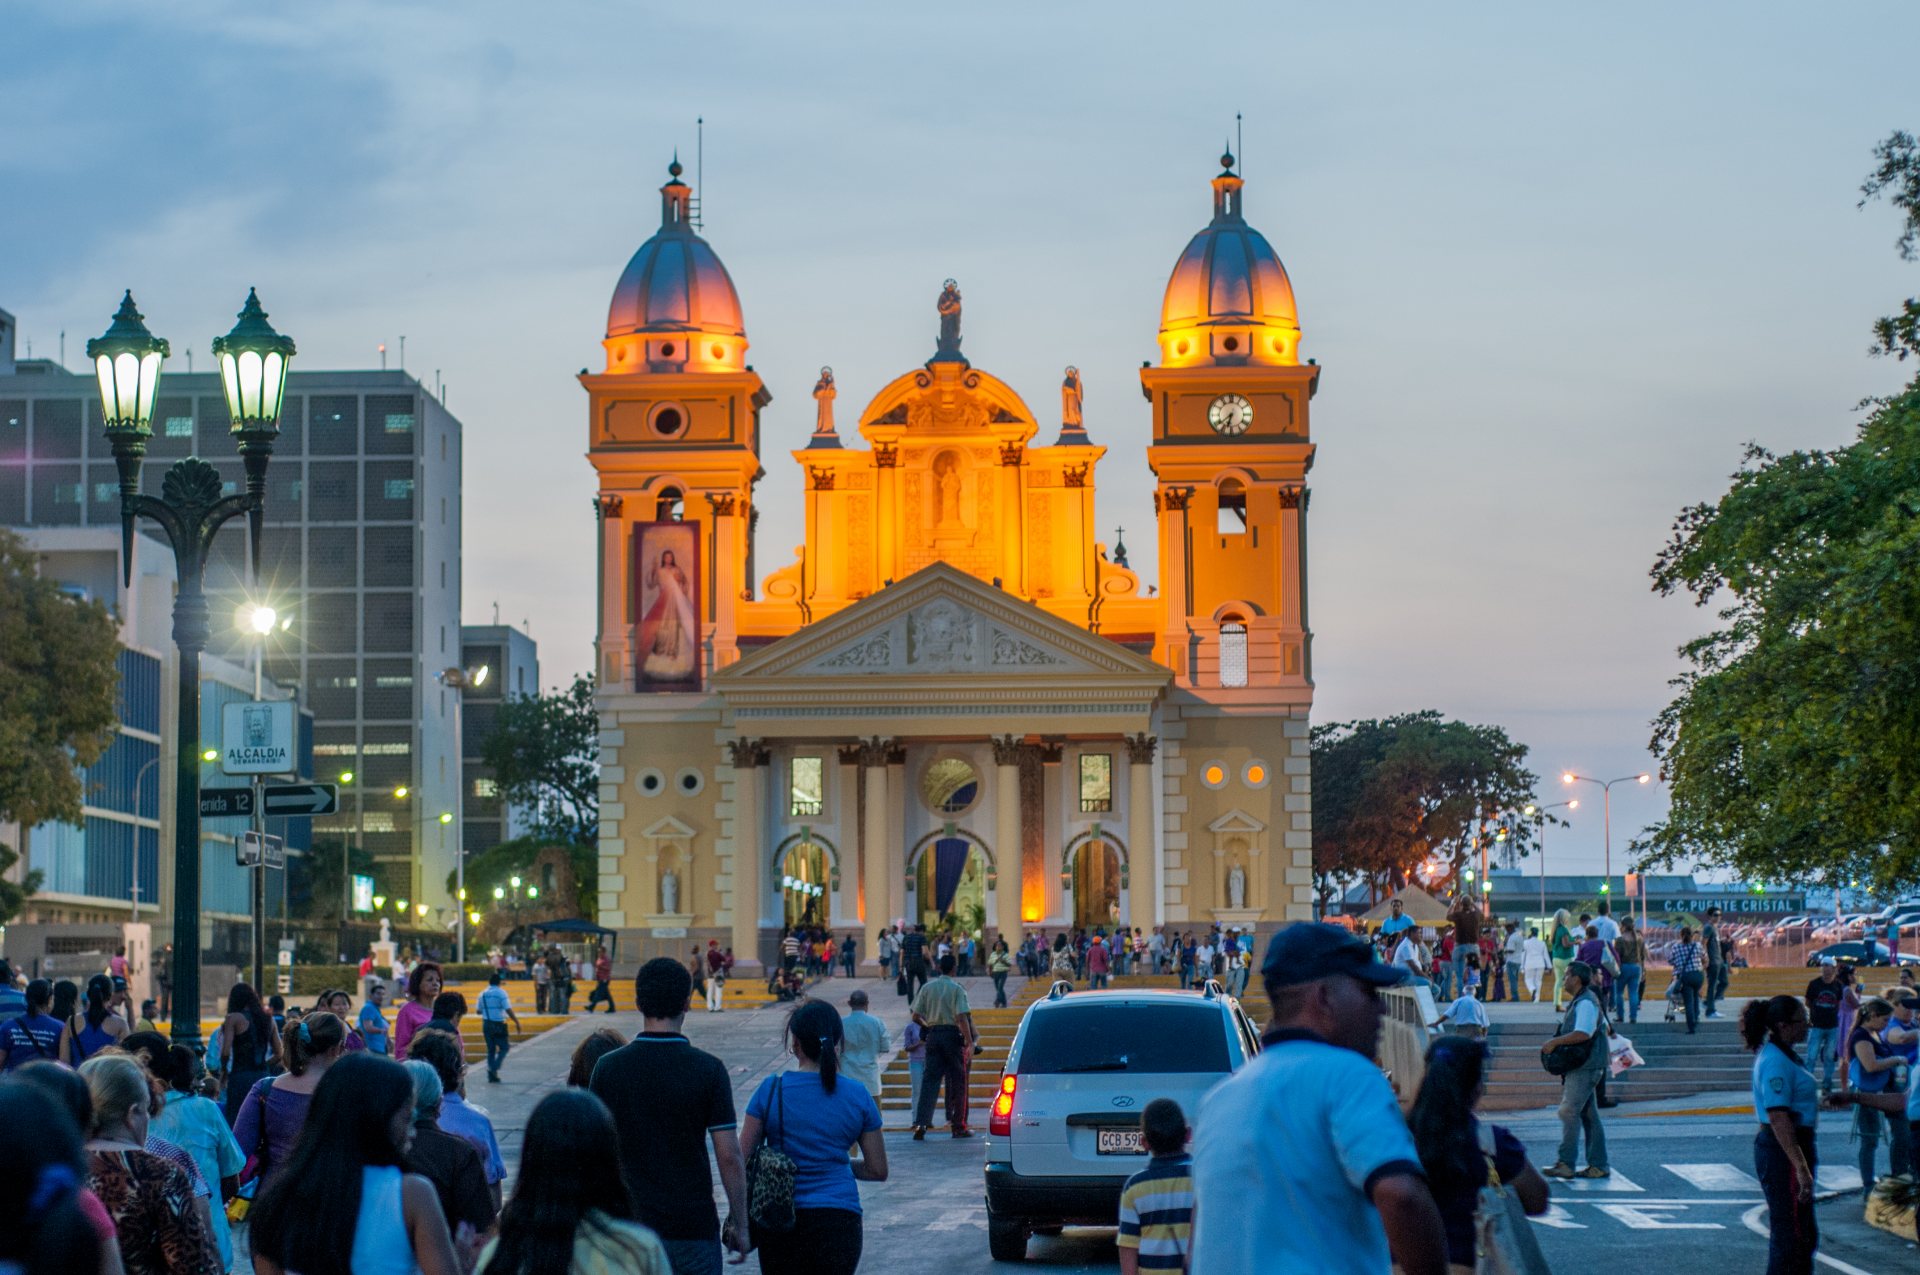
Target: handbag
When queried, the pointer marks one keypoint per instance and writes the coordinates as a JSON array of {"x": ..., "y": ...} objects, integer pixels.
[
  {"x": 770, "y": 1173},
  {"x": 1563, "y": 1059},
  {"x": 900, "y": 985},
  {"x": 1503, "y": 1239}
]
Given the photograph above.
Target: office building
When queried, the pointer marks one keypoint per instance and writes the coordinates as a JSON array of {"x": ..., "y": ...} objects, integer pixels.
[{"x": 512, "y": 663}]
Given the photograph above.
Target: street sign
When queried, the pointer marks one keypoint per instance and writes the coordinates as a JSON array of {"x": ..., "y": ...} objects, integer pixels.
[
  {"x": 249, "y": 850},
  {"x": 224, "y": 803},
  {"x": 256, "y": 737},
  {"x": 302, "y": 799}
]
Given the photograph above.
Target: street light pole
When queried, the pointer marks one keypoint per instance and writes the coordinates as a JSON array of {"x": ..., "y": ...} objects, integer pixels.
[
  {"x": 1539, "y": 815},
  {"x": 137, "y": 781},
  {"x": 190, "y": 509},
  {"x": 1606, "y": 795}
]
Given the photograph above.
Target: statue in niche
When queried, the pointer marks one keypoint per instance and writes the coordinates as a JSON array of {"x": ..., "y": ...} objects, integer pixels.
[
  {"x": 949, "y": 307},
  {"x": 669, "y": 892},
  {"x": 823, "y": 395},
  {"x": 386, "y": 930},
  {"x": 1070, "y": 398},
  {"x": 1237, "y": 888},
  {"x": 946, "y": 473}
]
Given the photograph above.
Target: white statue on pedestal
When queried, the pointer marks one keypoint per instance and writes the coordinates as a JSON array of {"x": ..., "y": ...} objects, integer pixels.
[
  {"x": 670, "y": 893},
  {"x": 386, "y": 931},
  {"x": 1237, "y": 888}
]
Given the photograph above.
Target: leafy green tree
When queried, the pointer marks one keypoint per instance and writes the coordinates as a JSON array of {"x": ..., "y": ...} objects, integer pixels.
[
  {"x": 497, "y": 865},
  {"x": 318, "y": 882},
  {"x": 58, "y": 691},
  {"x": 544, "y": 751},
  {"x": 1388, "y": 795},
  {"x": 14, "y": 894},
  {"x": 1897, "y": 177}
]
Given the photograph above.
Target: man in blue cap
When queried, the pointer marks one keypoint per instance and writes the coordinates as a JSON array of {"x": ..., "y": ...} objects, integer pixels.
[{"x": 1301, "y": 1160}]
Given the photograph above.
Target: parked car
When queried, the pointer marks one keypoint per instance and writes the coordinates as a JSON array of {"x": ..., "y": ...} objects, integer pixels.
[
  {"x": 1859, "y": 952},
  {"x": 1063, "y": 1134}
]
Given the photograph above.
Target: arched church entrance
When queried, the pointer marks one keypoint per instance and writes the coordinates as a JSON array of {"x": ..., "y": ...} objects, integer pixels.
[
  {"x": 950, "y": 886},
  {"x": 1096, "y": 886},
  {"x": 804, "y": 883}
]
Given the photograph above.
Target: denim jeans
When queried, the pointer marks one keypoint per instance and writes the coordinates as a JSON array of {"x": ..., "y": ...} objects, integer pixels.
[
  {"x": 1868, "y": 1122},
  {"x": 1716, "y": 985},
  {"x": 1579, "y": 1111},
  {"x": 495, "y": 1034},
  {"x": 1690, "y": 984},
  {"x": 1626, "y": 999},
  {"x": 1000, "y": 990},
  {"x": 1513, "y": 980},
  {"x": 1459, "y": 987},
  {"x": 1821, "y": 1053}
]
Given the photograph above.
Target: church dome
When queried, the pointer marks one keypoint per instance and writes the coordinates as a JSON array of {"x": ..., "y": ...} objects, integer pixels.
[
  {"x": 675, "y": 307},
  {"x": 1229, "y": 300}
]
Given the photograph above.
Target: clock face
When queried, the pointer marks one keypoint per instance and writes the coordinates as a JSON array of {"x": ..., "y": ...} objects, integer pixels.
[{"x": 1230, "y": 414}]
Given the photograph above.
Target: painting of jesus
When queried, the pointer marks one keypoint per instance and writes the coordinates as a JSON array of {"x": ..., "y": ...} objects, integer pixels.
[{"x": 667, "y": 582}]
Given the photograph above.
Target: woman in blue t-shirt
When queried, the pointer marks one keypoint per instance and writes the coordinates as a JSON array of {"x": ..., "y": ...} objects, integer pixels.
[
  {"x": 816, "y": 1120},
  {"x": 1785, "y": 1102},
  {"x": 1871, "y": 1065},
  {"x": 1455, "y": 1148}
]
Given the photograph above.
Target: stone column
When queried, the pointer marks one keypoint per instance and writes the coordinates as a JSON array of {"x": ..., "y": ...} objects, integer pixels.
[
  {"x": 893, "y": 848},
  {"x": 1143, "y": 850},
  {"x": 1006, "y": 838},
  {"x": 749, "y": 755},
  {"x": 887, "y": 525},
  {"x": 846, "y": 797},
  {"x": 1176, "y": 588},
  {"x": 614, "y": 617},
  {"x": 729, "y": 556},
  {"x": 874, "y": 836},
  {"x": 1013, "y": 500}
]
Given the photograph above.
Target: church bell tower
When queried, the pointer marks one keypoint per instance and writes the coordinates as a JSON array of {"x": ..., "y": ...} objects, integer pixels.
[
  {"x": 674, "y": 437},
  {"x": 1231, "y": 450}
]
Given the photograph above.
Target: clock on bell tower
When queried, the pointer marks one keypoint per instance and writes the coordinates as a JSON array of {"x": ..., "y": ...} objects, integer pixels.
[{"x": 1231, "y": 450}]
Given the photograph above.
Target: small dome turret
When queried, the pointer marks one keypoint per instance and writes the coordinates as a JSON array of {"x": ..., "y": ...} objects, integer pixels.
[
  {"x": 1229, "y": 300},
  {"x": 675, "y": 308}
]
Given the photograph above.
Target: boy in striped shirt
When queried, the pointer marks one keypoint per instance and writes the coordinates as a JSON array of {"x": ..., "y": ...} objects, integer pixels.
[{"x": 1156, "y": 1205}]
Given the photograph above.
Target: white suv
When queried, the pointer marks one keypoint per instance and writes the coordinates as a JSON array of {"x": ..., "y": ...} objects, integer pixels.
[{"x": 1063, "y": 1135}]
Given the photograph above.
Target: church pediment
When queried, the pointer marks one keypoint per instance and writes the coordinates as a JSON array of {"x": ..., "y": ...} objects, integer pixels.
[
  {"x": 942, "y": 623},
  {"x": 1236, "y": 820}
]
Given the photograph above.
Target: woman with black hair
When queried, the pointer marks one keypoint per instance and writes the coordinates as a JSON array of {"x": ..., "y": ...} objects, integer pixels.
[
  {"x": 1786, "y": 1102},
  {"x": 816, "y": 1121},
  {"x": 1872, "y": 1065},
  {"x": 89, "y": 1033},
  {"x": 570, "y": 1213},
  {"x": 423, "y": 988},
  {"x": 588, "y": 1053},
  {"x": 343, "y": 1204},
  {"x": 248, "y": 1046},
  {"x": 66, "y": 999},
  {"x": 1456, "y": 1150},
  {"x": 49, "y": 1230}
]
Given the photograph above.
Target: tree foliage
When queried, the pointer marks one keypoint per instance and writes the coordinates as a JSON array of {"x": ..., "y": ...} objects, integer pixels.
[
  {"x": 58, "y": 690},
  {"x": 1793, "y": 745},
  {"x": 317, "y": 880},
  {"x": 1896, "y": 176},
  {"x": 14, "y": 894},
  {"x": 1390, "y": 795},
  {"x": 545, "y": 753},
  {"x": 499, "y": 864}
]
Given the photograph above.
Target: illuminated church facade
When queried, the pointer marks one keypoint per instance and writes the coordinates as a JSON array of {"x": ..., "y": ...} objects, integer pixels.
[{"x": 954, "y": 703}]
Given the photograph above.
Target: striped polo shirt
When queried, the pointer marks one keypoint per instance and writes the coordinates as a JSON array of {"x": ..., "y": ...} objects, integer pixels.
[{"x": 1156, "y": 1212}]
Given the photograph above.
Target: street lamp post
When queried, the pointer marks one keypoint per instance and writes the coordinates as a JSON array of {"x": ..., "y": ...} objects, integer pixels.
[
  {"x": 1539, "y": 816},
  {"x": 190, "y": 509},
  {"x": 459, "y": 681},
  {"x": 1606, "y": 802},
  {"x": 137, "y": 781}
]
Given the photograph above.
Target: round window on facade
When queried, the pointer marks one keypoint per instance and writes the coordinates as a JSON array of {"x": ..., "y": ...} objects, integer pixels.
[
  {"x": 1214, "y": 774},
  {"x": 1256, "y": 774},
  {"x": 669, "y": 420},
  {"x": 689, "y": 782},
  {"x": 949, "y": 786},
  {"x": 650, "y": 782}
]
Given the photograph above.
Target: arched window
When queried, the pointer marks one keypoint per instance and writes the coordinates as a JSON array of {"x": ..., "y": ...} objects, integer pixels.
[
  {"x": 1232, "y": 517},
  {"x": 1233, "y": 651},
  {"x": 670, "y": 506}
]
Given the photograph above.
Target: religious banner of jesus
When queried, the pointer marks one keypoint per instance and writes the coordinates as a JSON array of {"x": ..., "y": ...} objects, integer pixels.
[{"x": 666, "y": 564}]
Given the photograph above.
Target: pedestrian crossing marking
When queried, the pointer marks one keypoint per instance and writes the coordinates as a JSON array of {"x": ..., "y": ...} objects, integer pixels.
[
  {"x": 1618, "y": 1182},
  {"x": 1714, "y": 1177},
  {"x": 1836, "y": 1178},
  {"x": 1648, "y": 1216},
  {"x": 1559, "y": 1219}
]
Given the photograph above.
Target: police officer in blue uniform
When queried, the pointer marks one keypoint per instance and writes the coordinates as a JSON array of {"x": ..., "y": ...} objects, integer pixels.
[{"x": 1786, "y": 1103}]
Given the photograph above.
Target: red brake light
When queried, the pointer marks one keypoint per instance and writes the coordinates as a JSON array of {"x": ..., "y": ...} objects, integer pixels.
[{"x": 1000, "y": 1119}]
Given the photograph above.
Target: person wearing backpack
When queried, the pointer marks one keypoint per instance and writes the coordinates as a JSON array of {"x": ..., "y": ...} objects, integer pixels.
[
  {"x": 1583, "y": 1031},
  {"x": 1463, "y": 1158}
]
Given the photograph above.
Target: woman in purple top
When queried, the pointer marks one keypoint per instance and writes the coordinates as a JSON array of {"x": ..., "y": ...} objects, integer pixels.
[
  {"x": 1594, "y": 951},
  {"x": 275, "y": 1109}
]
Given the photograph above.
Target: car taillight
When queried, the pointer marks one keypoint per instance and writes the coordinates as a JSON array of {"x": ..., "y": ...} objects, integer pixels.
[{"x": 1000, "y": 1120}]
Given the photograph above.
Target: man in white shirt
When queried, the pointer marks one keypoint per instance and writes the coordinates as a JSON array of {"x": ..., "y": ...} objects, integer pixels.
[
  {"x": 1203, "y": 960},
  {"x": 1534, "y": 962},
  {"x": 1410, "y": 955},
  {"x": 865, "y": 1040},
  {"x": 1467, "y": 1017},
  {"x": 1157, "y": 949},
  {"x": 1608, "y": 927},
  {"x": 1512, "y": 950}
]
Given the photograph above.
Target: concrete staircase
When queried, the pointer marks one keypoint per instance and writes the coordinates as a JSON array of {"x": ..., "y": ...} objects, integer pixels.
[{"x": 1678, "y": 1065}]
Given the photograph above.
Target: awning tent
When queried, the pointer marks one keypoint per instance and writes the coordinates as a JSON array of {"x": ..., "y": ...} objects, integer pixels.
[{"x": 1418, "y": 904}]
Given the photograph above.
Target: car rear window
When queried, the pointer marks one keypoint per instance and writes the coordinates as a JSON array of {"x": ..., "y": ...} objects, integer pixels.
[{"x": 1119, "y": 1038}]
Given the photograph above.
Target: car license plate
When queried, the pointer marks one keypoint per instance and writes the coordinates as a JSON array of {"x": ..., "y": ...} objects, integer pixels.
[{"x": 1119, "y": 1142}]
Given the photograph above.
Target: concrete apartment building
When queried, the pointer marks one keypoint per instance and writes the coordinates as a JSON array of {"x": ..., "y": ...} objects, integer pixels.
[{"x": 361, "y": 548}]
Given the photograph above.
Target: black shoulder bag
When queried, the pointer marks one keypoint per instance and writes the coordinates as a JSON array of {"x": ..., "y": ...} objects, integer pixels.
[
  {"x": 1562, "y": 1060},
  {"x": 770, "y": 1175}
]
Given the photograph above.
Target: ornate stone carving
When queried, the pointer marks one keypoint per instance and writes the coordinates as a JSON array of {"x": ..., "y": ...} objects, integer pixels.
[
  {"x": 721, "y": 502},
  {"x": 942, "y": 635},
  {"x": 885, "y": 455},
  {"x": 748, "y": 753},
  {"x": 849, "y": 754},
  {"x": 1012, "y": 453},
  {"x": 191, "y": 484},
  {"x": 1011, "y": 650},
  {"x": 1051, "y": 748},
  {"x": 1075, "y": 475},
  {"x": 822, "y": 477},
  {"x": 1177, "y": 497},
  {"x": 1290, "y": 497},
  {"x": 876, "y": 752},
  {"x": 1006, "y": 750},
  {"x": 1140, "y": 749},
  {"x": 608, "y": 505},
  {"x": 873, "y": 652},
  {"x": 895, "y": 415}
]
